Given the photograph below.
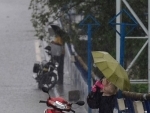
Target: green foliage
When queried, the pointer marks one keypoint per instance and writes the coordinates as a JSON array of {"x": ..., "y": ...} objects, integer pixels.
[{"x": 139, "y": 88}]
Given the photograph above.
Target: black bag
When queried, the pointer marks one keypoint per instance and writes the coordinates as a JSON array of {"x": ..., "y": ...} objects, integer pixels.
[{"x": 93, "y": 99}]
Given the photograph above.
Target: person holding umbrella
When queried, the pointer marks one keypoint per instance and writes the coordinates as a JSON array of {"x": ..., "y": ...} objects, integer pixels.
[
  {"x": 106, "y": 95},
  {"x": 115, "y": 77}
]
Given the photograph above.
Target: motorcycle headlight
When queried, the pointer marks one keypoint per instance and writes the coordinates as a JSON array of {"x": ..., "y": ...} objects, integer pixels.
[{"x": 56, "y": 64}]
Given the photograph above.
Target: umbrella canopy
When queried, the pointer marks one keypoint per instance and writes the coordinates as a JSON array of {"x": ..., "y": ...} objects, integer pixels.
[
  {"x": 111, "y": 69},
  {"x": 55, "y": 28},
  {"x": 59, "y": 32}
]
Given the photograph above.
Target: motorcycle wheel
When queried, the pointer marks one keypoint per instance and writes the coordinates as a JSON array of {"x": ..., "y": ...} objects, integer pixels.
[
  {"x": 40, "y": 81},
  {"x": 51, "y": 79}
]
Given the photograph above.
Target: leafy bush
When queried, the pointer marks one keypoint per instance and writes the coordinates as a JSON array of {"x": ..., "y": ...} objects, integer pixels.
[{"x": 139, "y": 88}]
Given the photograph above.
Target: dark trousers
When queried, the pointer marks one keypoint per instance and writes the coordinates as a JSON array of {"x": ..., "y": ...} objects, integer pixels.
[{"x": 60, "y": 60}]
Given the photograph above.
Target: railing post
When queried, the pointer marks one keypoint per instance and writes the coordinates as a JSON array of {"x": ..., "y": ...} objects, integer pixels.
[
  {"x": 89, "y": 57},
  {"x": 89, "y": 26}
]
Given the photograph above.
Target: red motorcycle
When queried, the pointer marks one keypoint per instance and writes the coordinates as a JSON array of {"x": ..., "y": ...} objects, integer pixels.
[{"x": 58, "y": 104}]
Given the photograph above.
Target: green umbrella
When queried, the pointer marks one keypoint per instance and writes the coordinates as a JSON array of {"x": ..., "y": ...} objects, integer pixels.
[{"x": 111, "y": 69}]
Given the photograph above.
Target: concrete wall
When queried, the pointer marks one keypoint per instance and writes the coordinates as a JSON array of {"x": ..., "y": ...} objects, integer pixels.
[{"x": 76, "y": 75}]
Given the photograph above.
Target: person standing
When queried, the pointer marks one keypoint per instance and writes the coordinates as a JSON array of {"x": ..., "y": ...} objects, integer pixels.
[{"x": 106, "y": 96}]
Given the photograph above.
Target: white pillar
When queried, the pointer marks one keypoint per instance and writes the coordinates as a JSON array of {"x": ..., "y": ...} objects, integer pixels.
[
  {"x": 118, "y": 20},
  {"x": 148, "y": 45}
]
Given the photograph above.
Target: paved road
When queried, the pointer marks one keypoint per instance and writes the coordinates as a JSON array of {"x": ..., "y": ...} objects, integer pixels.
[{"x": 18, "y": 90}]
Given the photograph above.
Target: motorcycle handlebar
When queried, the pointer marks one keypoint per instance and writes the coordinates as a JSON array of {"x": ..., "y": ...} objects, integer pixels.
[
  {"x": 42, "y": 101},
  {"x": 72, "y": 110},
  {"x": 48, "y": 53}
]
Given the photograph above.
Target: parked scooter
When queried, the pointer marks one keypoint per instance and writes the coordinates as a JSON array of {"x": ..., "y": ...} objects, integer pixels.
[
  {"x": 58, "y": 104},
  {"x": 45, "y": 73}
]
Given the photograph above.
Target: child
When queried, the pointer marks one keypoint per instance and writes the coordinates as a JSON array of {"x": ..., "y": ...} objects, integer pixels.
[{"x": 107, "y": 95}]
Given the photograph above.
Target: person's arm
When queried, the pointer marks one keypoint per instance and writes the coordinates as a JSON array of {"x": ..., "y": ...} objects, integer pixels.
[
  {"x": 98, "y": 84},
  {"x": 93, "y": 99}
]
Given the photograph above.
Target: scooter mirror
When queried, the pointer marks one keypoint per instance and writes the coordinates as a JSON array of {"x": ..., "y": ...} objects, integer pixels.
[
  {"x": 45, "y": 89},
  {"x": 74, "y": 95},
  {"x": 80, "y": 103}
]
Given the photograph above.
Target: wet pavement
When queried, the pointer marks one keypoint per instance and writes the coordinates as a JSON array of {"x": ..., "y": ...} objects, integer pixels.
[{"x": 18, "y": 90}]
